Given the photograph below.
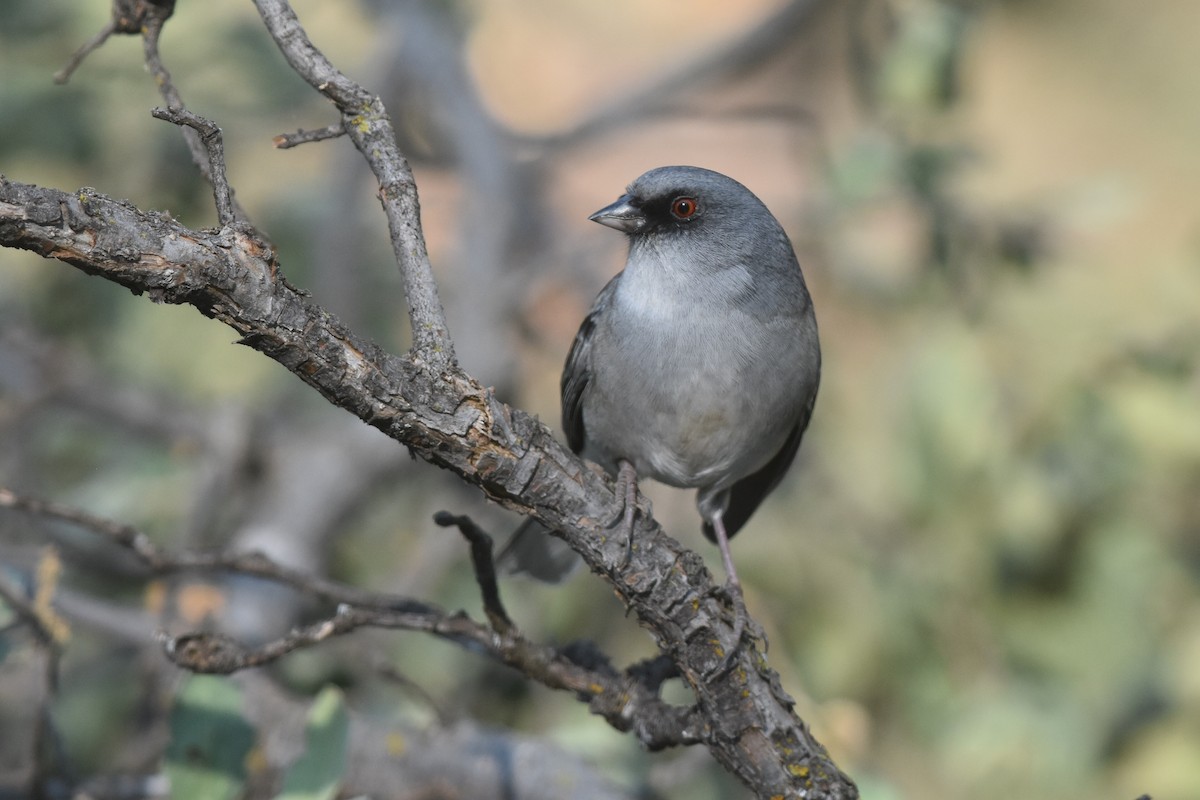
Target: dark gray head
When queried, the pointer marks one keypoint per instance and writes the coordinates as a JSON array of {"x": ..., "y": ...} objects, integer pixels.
[{"x": 691, "y": 210}]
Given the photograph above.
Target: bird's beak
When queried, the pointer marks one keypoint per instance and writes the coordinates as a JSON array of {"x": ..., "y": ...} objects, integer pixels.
[{"x": 622, "y": 215}]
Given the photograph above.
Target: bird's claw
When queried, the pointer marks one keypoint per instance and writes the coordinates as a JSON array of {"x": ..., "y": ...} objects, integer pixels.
[
  {"x": 627, "y": 490},
  {"x": 745, "y": 627}
]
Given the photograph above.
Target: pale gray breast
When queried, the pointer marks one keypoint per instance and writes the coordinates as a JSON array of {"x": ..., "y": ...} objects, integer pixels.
[{"x": 689, "y": 387}]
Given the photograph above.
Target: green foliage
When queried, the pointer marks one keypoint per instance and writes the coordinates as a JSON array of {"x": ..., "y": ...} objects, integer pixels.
[
  {"x": 210, "y": 740},
  {"x": 316, "y": 775}
]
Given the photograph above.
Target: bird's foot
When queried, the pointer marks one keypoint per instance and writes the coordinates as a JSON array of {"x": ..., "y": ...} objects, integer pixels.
[
  {"x": 627, "y": 490},
  {"x": 743, "y": 623},
  {"x": 745, "y": 627}
]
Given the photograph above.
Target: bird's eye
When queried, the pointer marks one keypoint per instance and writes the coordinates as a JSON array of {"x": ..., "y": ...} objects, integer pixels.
[{"x": 684, "y": 207}]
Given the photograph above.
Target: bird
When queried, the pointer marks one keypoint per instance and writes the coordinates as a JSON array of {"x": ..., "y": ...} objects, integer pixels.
[{"x": 697, "y": 365}]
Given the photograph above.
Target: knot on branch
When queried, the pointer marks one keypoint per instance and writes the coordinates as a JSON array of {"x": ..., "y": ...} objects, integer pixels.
[{"x": 208, "y": 653}]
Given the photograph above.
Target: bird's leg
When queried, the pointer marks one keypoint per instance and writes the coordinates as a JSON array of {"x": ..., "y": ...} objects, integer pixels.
[
  {"x": 733, "y": 588},
  {"x": 627, "y": 489}
]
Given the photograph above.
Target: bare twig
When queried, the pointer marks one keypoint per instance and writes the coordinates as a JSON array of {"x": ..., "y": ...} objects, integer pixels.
[
  {"x": 146, "y": 18},
  {"x": 128, "y": 16},
  {"x": 22, "y": 608},
  {"x": 161, "y": 562},
  {"x": 210, "y": 137},
  {"x": 626, "y": 701},
  {"x": 369, "y": 127},
  {"x": 285, "y": 140},
  {"x": 485, "y": 567},
  {"x": 202, "y": 149},
  {"x": 86, "y": 49}
]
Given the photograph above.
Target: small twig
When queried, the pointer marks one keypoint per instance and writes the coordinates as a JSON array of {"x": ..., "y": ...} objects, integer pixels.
[
  {"x": 146, "y": 18},
  {"x": 208, "y": 158},
  {"x": 86, "y": 49},
  {"x": 151, "y": 29},
  {"x": 485, "y": 567},
  {"x": 16, "y": 600},
  {"x": 624, "y": 701},
  {"x": 128, "y": 16},
  {"x": 368, "y": 125},
  {"x": 163, "y": 563},
  {"x": 210, "y": 137},
  {"x": 285, "y": 140},
  {"x": 215, "y": 654}
]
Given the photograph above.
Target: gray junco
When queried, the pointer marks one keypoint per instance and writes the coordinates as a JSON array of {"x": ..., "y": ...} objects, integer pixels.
[{"x": 697, "y": 365}]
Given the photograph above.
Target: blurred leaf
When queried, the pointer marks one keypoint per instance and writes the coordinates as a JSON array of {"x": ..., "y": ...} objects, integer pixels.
[
  {"x": 209, "y": 740},
  {"x": 317, "y": 774},
  {"x": 922, "y": 70}
]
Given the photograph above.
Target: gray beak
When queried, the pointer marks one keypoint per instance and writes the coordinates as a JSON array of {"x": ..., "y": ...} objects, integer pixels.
[{"x": 622, "y": 215}]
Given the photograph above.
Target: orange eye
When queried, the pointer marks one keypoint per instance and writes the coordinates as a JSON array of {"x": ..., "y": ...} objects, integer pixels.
[{"x": 684, "y": 207}]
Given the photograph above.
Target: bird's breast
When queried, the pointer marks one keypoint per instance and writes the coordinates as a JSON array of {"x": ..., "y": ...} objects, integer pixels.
[{"x": 693, "y": 398}]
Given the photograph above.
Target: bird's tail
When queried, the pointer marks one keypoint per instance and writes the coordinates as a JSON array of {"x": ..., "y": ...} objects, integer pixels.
[{"x": 534, "y": 552}]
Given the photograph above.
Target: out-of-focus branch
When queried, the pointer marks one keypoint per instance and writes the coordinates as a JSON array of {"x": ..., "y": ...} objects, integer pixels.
[
  {"x": 628, "y": 701},
  {"x": 160, "y": 562},
  {"x": 129, "y": 17},
  {"x": 624, "y": 702},
  {"x": 656, "y": 98},
  {"x": 455, "y": 756}
]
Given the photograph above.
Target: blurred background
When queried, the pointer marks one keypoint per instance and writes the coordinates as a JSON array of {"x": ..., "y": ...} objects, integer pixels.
[{"x": 982, "y": 577}]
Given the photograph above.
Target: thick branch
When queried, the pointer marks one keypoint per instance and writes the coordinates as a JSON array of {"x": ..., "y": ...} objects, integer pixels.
[{"x": 451, "y": 421}]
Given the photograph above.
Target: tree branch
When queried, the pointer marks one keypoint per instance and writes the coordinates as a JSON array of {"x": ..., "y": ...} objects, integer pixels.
[
  {"x": 210, "y": 138},
  {"x": 367, "y": 123},
  {"x": 485, "y": 567},
  {"x": 629, "y": 701}
]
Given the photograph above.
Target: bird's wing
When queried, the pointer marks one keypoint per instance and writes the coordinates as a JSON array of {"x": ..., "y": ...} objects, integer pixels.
[
  {"x": 746, "y": 495},
  {"x": 578, "y": 369}
]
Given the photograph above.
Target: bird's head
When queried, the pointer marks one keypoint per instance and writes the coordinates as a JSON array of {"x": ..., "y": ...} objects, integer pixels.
[{"x": 708, "y": 218}]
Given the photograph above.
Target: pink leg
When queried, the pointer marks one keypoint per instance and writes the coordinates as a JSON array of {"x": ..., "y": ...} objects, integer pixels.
[{"x": 733, "y": 587}]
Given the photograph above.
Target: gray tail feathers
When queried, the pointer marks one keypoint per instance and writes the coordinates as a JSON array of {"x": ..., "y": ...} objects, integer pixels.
[{"x": 534, "y": 552}]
